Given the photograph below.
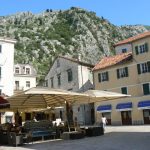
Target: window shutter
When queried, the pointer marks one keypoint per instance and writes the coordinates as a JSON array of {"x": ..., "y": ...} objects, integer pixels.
[
  {"x": 99, "y": 77},
  {"x": 146, "y": 47},
  {"x": 138, "y": 68},
  {"x": 146, "y": 89},
  {"x": 107, "y": 77},
  {"x": 126, "y": 69},
  {"x": 118, "y": 76},
  {"x": 136, "y": 50},
  {"x": 148, "y": 64}
]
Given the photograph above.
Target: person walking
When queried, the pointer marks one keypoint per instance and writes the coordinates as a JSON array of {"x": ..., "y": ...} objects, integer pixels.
[{"x": 104, "y": 121}]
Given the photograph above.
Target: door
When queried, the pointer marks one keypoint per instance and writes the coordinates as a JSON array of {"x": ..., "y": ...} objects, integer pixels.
[
  {"x": 146, "y": 116},
  {"x": 126, "y": 118},
  {"x": 108, "y": 117}
]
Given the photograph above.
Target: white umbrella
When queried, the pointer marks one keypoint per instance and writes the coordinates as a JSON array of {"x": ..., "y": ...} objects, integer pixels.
[
  {"x": 42, "y": 97},
  {"x": 99, "y": 95}
]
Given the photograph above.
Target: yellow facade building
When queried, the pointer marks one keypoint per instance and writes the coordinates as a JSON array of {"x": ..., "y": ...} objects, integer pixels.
[{"x": 127, "y": 72}]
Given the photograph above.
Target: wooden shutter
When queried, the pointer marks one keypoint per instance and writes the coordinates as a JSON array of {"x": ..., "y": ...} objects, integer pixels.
[
  {"x": 118, "y": 76},
  {"x": 146, "y": 47},
  {"x": 148, "y": 64},
  {"x": 107, "y": 77},
  {"x": 138, "y": 69},
  {"x": 126, "y": 70},
  {"x": 99, "y": 77},
  {"x": 136, "y": 50},
  {"x": 146, "y": 89}
]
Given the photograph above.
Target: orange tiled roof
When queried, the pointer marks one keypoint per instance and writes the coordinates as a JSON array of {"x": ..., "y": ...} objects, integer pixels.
[
  {"x": 134, "y": 38},
  {"x": 112, "y": 60}
]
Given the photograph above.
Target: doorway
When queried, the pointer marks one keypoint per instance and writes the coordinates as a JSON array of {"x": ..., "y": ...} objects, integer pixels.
[
  {"x": 108, "y": 117},
  {"x": 146, "y": 116},
  {"x": 126, "y": 118}
]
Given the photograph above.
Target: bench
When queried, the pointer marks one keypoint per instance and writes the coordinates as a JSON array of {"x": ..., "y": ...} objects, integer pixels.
[{"x": 38, "y": 129}]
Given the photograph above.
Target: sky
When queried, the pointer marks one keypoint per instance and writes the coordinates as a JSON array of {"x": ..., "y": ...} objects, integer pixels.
[{"x": 118, "y": 12}]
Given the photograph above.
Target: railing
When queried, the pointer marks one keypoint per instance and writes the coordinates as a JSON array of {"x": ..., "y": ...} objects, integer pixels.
[{"x": 16, "y": 88}]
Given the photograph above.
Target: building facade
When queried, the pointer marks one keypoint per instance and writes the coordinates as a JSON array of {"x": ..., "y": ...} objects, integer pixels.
[
  {"x": 72, "y": 75},
  {"x": 24, "y": 77},
  {"x": 127, "y": 72},
  {"x": 6, "y": 66},
  {"x": 6, "y": 73}
]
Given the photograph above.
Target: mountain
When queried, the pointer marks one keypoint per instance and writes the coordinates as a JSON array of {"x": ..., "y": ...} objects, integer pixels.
[{"x": 42, "y": 37}]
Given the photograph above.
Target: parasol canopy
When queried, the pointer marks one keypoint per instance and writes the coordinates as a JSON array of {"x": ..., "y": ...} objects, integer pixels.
[{"x": 42, "y": 97}]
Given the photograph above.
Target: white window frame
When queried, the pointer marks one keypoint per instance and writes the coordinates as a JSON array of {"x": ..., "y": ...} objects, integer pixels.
[
  {"x": 28, "y": 70},
  {"x": 28, "y": 84},
  {"x": 103, "y": 77},
  {"x": 122, "y": 72},
  {"x": 144, "y": 67},
  {"x": 17, "y": 70}
]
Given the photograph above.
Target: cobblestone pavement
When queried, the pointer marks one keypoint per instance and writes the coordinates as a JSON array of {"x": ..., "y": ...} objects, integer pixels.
[{"x": 115, "y": 138}]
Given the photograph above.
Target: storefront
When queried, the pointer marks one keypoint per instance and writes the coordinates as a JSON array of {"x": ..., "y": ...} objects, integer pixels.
[
  {"x": 106, "y": 111},
  {"x": 145, "y": 106},
  {"x": 125, "y": 112}
]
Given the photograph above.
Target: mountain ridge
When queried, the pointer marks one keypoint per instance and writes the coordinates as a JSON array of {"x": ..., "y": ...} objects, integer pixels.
[{"x": 42, "y": 37}]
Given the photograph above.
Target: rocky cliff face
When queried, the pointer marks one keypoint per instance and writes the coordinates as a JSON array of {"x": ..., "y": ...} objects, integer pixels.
[{"x": 41, "y": 37}]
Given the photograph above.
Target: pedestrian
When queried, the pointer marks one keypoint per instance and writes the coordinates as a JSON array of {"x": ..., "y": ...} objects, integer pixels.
[{"x": 104, "y": 121}]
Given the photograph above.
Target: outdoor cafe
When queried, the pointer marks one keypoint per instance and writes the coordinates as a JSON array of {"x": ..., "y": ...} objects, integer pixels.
[{"x": 45, "y": 100}]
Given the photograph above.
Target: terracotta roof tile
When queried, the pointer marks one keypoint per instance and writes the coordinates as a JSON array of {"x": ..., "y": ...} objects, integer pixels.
[
  {"x": 134, "y": 38},
  {"x": 112, "y": 60}
]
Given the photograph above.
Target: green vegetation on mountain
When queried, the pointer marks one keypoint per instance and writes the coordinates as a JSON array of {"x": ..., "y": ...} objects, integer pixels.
[{"x": 42, "y": 37}]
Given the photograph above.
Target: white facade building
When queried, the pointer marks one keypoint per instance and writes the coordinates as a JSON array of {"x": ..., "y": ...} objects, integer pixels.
[
  {"x": 6, "y": 66},
  {"x": 24, "y": 77},
  {"x": 6, "y": 73},
  {"x": 72, "y": 75}
]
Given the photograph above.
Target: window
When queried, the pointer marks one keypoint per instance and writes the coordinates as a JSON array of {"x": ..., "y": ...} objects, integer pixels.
[
  {"x": 124, "y": 90},
  {"x": 70, "y": 76},
  {"x": 122, "y": 72},
  {"x": 17, "y": 70},
  {"x": 59, "y": 79},
  {"x": 52, "y": 82},
  {"x": 143, "y": 67},
  {"x": 58, "y": 63},
  {"x": 27, "y": 70},
  {"x": 141, "y": 48},
  {"x": 46, "y": 83},
  {"x": 8, "y": 119},
  {"x": 124, "y": 50},
  {"x": 27, "y": 83},
  {"x": 146, "y": 89},
  {"x": 0, "y": 48},
  {"x": 103, "y": 77},
  {"x": 17, "y": 85}
]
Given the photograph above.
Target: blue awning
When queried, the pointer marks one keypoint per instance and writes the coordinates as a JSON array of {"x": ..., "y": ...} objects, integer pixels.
[
  {"x": 104, "y": 108},
  {"x": 144, "y": 104},
  {"x": 124, "y": 106}
]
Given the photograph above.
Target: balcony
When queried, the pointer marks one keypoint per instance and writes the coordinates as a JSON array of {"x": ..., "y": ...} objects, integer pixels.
[{"x": 18, "y": 89}]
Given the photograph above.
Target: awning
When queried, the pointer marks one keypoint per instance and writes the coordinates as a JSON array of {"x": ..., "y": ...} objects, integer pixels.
[
  {"x": 124, "y": 106},
  {"x": 144, "y": 104},
  {"x": 104, "y": 108}
]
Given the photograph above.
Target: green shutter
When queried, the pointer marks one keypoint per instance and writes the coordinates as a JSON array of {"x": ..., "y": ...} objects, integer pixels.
[
  {"x": 126, "y": 69},
  {"x": 124, "y": 90},
  {"x": 136, "y": 50},
  {"x": 138, "y": 68},
  {"x": 118, "y": 76},
  {"x": 148, "y": 64},
  {"x": 146, "y": 47},
  {"x": 107, "y": 77},
  {"x": 146, "y": 89},
  {"x": 99, "y": 77}
]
